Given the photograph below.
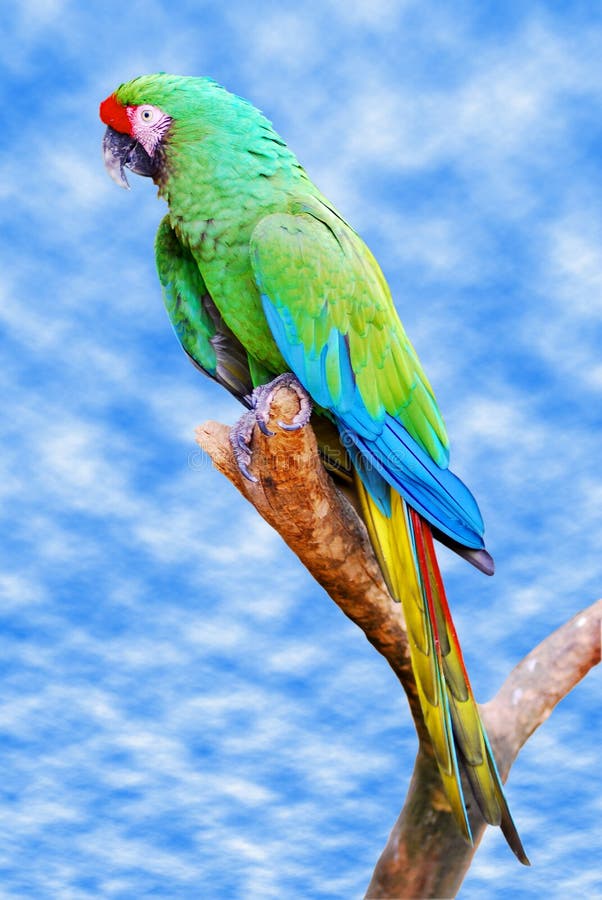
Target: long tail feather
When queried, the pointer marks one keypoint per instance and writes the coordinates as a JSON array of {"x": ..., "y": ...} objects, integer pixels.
[{"x": 404, "y": 546}]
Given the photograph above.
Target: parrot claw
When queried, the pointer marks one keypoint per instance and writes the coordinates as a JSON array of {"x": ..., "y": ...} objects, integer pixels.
[
  {"x": 240, "y": 441},
  {"x": 244, "y": 471},
  {"x": 259, "y": 414},
  {"x": 264, "y": 428},
  {"x": 292, "y": 426},
  {"x": 263, "y": 395}
]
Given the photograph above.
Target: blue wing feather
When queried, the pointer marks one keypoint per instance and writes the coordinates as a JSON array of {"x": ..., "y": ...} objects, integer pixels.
[
  {"x": 386, "y": 453},
  {"x": 386, "y": 449}
]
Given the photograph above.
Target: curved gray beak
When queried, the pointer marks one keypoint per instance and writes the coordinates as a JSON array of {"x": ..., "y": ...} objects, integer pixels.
[
  {"x": 116, "y": 148},
  {"x": 120, "y": 151}
]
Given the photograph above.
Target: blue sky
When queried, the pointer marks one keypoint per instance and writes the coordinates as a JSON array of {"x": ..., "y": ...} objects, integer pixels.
[{"x": 183, "y": 712}]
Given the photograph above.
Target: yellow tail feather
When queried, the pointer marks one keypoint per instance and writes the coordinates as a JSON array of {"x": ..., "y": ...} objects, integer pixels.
[{"x": 404, "y": 548}]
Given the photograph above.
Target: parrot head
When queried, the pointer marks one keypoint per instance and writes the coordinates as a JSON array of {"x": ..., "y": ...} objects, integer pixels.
[
  {"x": 135, "y": 132},
  {"x": 155, "y": 116},
  {"x": 160, "y": 124}
]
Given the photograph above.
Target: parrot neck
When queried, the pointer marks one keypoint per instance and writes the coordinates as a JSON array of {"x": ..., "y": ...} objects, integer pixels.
[{"x": 229, "y": 178}]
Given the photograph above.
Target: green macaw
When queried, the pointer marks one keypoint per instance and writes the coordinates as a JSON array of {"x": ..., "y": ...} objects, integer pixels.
[{"x": 263, "y": 279}]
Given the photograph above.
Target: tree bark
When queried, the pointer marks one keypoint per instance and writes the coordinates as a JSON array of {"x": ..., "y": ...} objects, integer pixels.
[{"x": 425, "y": 855}]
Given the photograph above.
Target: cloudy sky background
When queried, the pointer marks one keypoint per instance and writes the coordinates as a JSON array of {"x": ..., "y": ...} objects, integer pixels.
[{"x": 183, "y": 712}]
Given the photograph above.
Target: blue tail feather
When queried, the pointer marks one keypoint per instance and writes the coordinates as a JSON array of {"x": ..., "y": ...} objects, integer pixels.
[{"x": 437, "y": 494}]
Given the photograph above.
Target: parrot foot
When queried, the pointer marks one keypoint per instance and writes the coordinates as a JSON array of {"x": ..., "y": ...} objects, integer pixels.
[
  {"x": 259, "y": 414},
  {"x": 263, "y": 396},
  {"x": 240, "y": 441}
]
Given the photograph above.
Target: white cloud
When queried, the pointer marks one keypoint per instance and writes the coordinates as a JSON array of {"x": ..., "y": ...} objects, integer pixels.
[{"x": 574, "y": 264}]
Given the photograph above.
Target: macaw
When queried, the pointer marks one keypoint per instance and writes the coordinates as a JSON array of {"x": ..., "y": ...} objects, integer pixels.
[{"x": 264, "y": 281}]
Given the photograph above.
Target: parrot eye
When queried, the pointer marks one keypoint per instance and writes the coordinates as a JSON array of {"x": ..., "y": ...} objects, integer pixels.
[{"x": 149, "y": 125}]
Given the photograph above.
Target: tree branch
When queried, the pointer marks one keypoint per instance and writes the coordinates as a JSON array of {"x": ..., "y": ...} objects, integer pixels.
[
  {"x": 540, "y": 681},
  {"x": 425, "y": 855},
  {"x": 524, "y": 702},
  {"x": 296, "y": 496}
]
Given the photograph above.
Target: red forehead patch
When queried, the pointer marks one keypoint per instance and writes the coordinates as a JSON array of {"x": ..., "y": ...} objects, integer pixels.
[{"x": 114, "y": 114}]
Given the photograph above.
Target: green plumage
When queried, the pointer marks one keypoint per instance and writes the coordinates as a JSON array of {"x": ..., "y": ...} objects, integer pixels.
[
  {"x": 321, "y": 273},
  {"x": 232, "y": 187},
  {"x": 183, "y": 287}
]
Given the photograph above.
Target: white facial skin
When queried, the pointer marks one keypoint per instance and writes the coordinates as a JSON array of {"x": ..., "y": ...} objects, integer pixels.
[{"x": 149, "y": 124}]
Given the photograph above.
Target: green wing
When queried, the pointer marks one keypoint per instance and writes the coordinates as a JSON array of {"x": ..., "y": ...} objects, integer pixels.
[
  {"x": 195, "y": 319},
  {"x": 331, "y": 313}
]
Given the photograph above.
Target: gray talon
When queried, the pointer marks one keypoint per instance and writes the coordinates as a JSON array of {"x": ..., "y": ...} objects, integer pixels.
[
  {"x": 246, "y": 472},
  {"x": 240, "y": 440},
  {"x": 261, "y": 400},
  {"x": 264, "y": 428}
]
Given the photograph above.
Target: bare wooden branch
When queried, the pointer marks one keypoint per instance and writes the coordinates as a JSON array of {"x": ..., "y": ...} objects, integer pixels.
[
  {"x": 524, "y": 702},
  {"x": 425, "y": 855},
  {"x": 546, "y": 675}
]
